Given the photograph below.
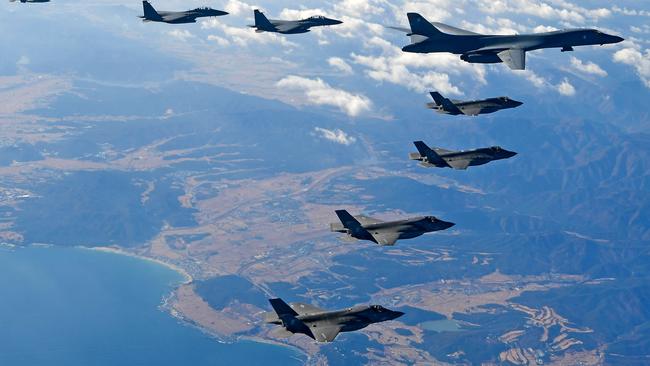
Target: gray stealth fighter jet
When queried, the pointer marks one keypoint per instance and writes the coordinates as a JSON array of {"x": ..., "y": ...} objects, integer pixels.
[
  {"x": 321, "y": 325},
  {"x": 386, "y": 233},
  {"x": 177, "y": 17},
  {"x": 472, "y": 107},
  {"x": 263, "y": 24},
  {"x": 429, "y": 37},
  {"x": 460, "y": 160},
  {"x": 31, "y": 1}
]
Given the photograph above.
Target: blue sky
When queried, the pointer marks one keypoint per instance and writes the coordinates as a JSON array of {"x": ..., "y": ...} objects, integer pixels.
[{"x": 357, "y": 69}]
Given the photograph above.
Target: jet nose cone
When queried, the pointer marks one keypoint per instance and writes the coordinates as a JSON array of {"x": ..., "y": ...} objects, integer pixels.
[
  {"x": 517, "y": 103},
  {"x": 446, "y": 225},
  {"x": 396, "y": 314},
  {"x": 617, "y": 39},
  {"x": 511, "y": 154}
]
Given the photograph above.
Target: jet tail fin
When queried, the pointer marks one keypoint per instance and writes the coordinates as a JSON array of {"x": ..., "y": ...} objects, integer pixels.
[
  {"x": 431, "y": 155},
  {"x": 149, "y": 11},
  {"x": 261, "y": 21},
  {"x": 446, "y": 104},
  {"x": 348, "y": 221},
  {"x": 421, "y": 26},
  {"x": 282, "y": 308}
]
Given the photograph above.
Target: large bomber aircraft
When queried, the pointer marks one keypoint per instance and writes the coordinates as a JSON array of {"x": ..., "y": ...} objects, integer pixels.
[
  {"x": 263, "y": 24},
  {"x": 427, "y": 37},
  {"x": 386, "y": 233},
  {"x": 322, "y": 325},
  {"x": 177, "y": 17}
]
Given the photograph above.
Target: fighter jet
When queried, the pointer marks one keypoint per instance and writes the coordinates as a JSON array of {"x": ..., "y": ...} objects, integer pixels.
[
  {"x": 471, "y": 107},
  {"x": 459, "y": 160},
  {"x": 262, "y": 24},
  {"x": 31, "y": 1},
  {"x": 385, "y": 233},
  {"x": 427, "y": 37},
  {"x": 177, "y": 17},
  {"x": 321, "y": 325}
]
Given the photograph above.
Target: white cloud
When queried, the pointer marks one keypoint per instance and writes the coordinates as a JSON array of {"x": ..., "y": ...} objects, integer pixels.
[
  {"x": 639, "y": 60},
  {"x": 565, "y": 88},
  {"x": 588, "y": 67},
  {"x": 336, "y": 135},
  {"x": 551, "y": 9},
  {"x": 245, "y": 36},
  {"x": 182, "y": 35},
  {"x": 320, "y": 93},
  {"x": 360, "y": 8},
  {"x": 340, "y": 64},
  {"x": 418, "y": 72},
  {"x": 237, "y": 8},
  {"x": 219, "y": 40}
]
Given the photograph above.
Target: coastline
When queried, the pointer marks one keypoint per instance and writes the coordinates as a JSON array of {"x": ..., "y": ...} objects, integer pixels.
[{"x": 187, "y": 277}]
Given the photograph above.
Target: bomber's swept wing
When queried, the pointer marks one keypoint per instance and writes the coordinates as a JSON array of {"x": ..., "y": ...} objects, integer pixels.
[
  {"x": 459, "y": 164},
  {"x": 515, "y": 58},
  {"x": 385, "y": 238},
  {"x": 304, "y": 309},
  {"x": 325, "y": 333}
]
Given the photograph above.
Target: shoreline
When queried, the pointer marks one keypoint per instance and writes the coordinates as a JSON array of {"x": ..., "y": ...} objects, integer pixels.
[{"x": 187, "y": 277}]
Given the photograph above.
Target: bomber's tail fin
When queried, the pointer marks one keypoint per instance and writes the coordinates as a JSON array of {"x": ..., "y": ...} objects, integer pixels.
[
  {"x": 421, "y": 26},
  {"x": 282, "y": 308},
  {"x": 262, "y": 22},
  {"x": 149, "y": 11}
]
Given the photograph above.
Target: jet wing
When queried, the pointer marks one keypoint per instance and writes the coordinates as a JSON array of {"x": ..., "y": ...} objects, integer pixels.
[
  {"x": 471, "y": 110},
  {"x": 290, "y": 28},
  {"x": 367, "y": 220},
  {"x": 178, "y": 17},
  {"x": 385, "y": 238},
  {"x": 325, "y": 333},
  {"x": 515, "y": 58},
  {"x": 304, "y": 309},
  {"x": 460, "y": 164}
]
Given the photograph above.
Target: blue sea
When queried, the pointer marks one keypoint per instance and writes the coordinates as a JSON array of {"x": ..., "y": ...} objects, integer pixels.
[{"x": 69, "y": 306}]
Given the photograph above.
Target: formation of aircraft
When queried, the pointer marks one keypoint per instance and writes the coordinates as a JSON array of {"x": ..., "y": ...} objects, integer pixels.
[
  {"x": 322, "y": 325},
  {"x": 426, "y": 37},
  {"x": 459, "y": 160}
]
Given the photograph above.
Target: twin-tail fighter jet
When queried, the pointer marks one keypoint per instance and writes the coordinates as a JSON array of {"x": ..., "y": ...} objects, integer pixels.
[
  {"x": 322, "y": 325},
  {"x": 177, "y": 17},
  {"x": 263, "y": 24},
  {"x": 383, "y": 232},
  {"x": 428, "y": 37},
  {"x": 30, "y": 1},
  {"x": 470, "y": 107},
  {"x": 459, "y": 160}
]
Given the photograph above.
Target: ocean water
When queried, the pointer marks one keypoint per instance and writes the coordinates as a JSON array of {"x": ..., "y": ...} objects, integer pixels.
[{"x": 69, "y": 306}]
